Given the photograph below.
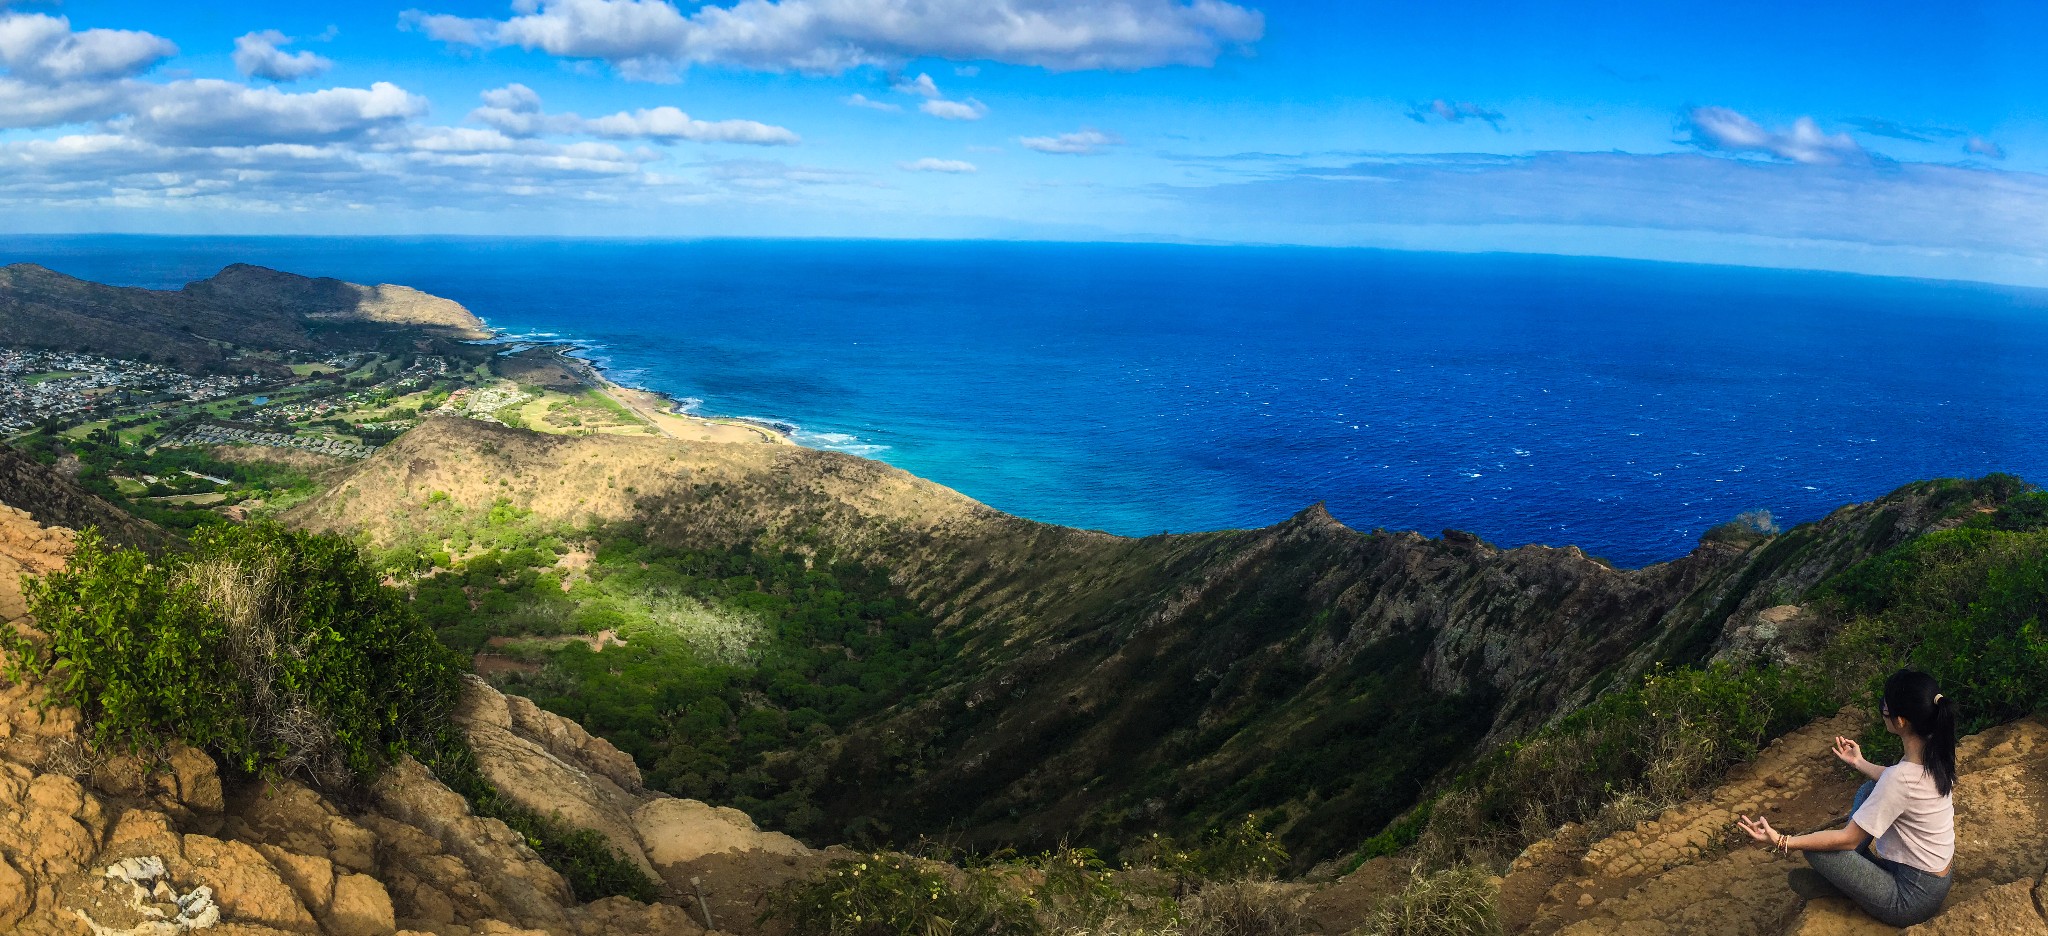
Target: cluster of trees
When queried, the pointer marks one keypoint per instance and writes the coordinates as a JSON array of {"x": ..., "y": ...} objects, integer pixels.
[
  {"x": 101, "y": 456},
  {"x": 737, "y": 666}
]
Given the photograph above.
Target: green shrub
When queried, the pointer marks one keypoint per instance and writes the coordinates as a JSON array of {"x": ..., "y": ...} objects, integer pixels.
[
  {"x": 889, "y": 894},
  {"x": 277, "y": 651},
  {"x": 1671, "y": 734},
  {"x": 1457, "y": 901},
  {"x": 1241, "y": 852}
]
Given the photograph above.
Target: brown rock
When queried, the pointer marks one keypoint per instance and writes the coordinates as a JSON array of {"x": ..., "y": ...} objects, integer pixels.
[
  {"x": 247, "y": 887},
  {"x": 123, "y": 775},
  {"x": 567, "y": 740},
  {"x": 502, "y": 869},
  {"x": 196, "y": 779},
  {"x": 482, "y": 704},
  {"x": 309, "y": 876},
  {"x": 16, "y": 897},
  {"x": 360, "y": 907},
  {"x": 533, "y": 777},
  {"x": 142, "y": 832},
  {"x": 682, "y": 830},
  {"x": 617, "y": 916}
]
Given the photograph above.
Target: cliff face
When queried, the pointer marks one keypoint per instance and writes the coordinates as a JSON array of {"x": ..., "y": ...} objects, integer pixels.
[
  {"x": 1109, "y": 686},
  {"x": 246, "y": 306}
]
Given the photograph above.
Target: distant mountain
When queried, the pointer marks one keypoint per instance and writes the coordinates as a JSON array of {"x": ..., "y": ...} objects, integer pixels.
[
  {"x": 1108, "y": 687},
  {"x": 198, "y": 328}
]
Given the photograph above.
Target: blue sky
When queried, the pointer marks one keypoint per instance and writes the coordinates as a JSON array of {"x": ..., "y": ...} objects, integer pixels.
[{"x": 1902, "y": 138}]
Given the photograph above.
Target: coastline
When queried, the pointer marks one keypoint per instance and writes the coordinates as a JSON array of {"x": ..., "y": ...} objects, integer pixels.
[{"x": 659, "y": 410}]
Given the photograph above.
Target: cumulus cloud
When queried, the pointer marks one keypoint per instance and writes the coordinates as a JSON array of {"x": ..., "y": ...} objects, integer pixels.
[
  {"x": 862, "y": 100},
  {"x": 1979, "y": 146},
  {"x": 210, "y": 112},
  {"x": 516, "y": 110},
  {"x": 27, "y": 105},
  {"x": 653, "y": 39},
  {"x": 1454, "y": 112},
  {"x": 1079, "y": 143},
  {"x": 1725, "y": 130},
  {"x": 932, "y": 164},
  {"x": 257, "y": 55},
  {"x": 922, "y": 86},
  {"x": 969, "y": 109},
  {"x": 41, "y": 49}
]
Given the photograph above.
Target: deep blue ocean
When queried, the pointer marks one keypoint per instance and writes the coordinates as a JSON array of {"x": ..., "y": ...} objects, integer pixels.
[{"x": 1621, "y": 406}]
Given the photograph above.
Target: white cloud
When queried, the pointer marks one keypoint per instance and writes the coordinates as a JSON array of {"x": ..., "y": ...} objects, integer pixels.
[
  {"x": 922, "y": 86},
  {"x": 516, "y": 110},
  {"x": 862, "y": 100},
  {"x": 1719, "y": 128},
  {"x": 668, "y": 123},
  {"x": 1079, "y": 143},
  {"x": 967, "y": 71},
  {"x": 25, "y": 105},
  {"x": 653, "y": 39},
  {"x": 210, "y": 112},
  {"x": 969, "y": 109},
  {"x": 258, "y": 56},
  {"x": 931, "y": 164},
  {"x": 42, "y": 49}
]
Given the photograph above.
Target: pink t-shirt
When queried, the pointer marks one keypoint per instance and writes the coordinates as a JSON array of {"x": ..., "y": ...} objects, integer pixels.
[{"x": 1913, "y": 822}]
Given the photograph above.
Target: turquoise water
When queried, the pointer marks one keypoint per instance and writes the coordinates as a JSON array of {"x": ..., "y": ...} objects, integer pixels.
[{"x": 1621, "y": 406}]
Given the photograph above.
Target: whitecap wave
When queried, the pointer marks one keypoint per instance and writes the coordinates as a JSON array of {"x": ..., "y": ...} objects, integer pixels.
[{"x": 836, "y": 442}]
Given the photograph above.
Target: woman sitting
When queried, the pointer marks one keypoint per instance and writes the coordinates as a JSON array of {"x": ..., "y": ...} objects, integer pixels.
[{"x": 1902, "y": 876}]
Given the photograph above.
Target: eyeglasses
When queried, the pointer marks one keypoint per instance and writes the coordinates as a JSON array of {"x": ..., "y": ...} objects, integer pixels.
[{"x": 1884, "y": 708}]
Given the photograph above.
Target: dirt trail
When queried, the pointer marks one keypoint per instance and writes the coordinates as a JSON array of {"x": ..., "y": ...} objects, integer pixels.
[{"x": 1687, "y": 872}]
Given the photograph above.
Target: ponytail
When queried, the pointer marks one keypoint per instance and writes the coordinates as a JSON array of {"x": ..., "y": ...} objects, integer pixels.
[{"x": 1931, "y": 715}]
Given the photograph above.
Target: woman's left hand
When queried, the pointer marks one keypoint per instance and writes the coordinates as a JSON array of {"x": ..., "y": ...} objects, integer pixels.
[{"x": 1759, "y": 829}]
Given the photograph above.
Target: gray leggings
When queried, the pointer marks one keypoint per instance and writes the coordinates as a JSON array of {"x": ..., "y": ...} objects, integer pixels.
[{"x": 1894, "y": 893}]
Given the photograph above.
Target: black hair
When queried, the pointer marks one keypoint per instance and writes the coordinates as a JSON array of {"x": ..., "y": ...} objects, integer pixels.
[{"x": 1912, "y": 696}]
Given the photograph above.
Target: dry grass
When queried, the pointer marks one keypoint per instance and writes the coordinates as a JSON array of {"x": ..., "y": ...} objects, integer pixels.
[
  {"x": 1245, "y": 908},
  {"x": 1457, "y": 901},
  {"x": 261, "y": 636}
]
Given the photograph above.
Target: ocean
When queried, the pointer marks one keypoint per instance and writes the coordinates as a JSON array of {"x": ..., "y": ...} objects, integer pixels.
[{"x": 1624, "y": 407}]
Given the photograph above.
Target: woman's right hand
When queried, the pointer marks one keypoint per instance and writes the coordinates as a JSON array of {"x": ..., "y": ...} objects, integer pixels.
[{"x": 1849, "y": 751}]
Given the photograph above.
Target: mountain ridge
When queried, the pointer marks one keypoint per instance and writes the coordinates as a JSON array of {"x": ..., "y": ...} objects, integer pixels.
[
  {"x": 192, "y": 328},
  {"x": 1107, "y": 682}
]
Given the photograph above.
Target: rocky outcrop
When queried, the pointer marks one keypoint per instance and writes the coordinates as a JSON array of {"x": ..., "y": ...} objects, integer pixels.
[{"x": 550, "y": 765}]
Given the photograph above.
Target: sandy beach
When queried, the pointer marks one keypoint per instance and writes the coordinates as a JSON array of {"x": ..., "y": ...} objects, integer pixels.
[{"x": 658, "y": 410}]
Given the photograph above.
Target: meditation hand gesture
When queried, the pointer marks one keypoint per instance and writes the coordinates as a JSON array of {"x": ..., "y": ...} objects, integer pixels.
[
  {"x": 1849, "y": 751},
  {"x": 1760, "y": 829}
]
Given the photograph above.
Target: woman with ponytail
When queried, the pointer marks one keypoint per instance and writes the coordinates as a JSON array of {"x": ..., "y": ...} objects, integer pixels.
[{"x": 1893, "y": 857}]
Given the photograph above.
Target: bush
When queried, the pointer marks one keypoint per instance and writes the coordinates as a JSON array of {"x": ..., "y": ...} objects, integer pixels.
[
  {"x": 1458, "y": 901},
  {"x": 888, "y": 894},
  {"x": 1245, "y": 908},
  {"x": 1659, "y": 741},
  {"x": 278, "y": 652},
  {"x": 1242, "y": 852}
]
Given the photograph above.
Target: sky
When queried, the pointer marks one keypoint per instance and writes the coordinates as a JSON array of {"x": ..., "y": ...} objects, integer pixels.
[{"x": 1874, "y": 136}]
